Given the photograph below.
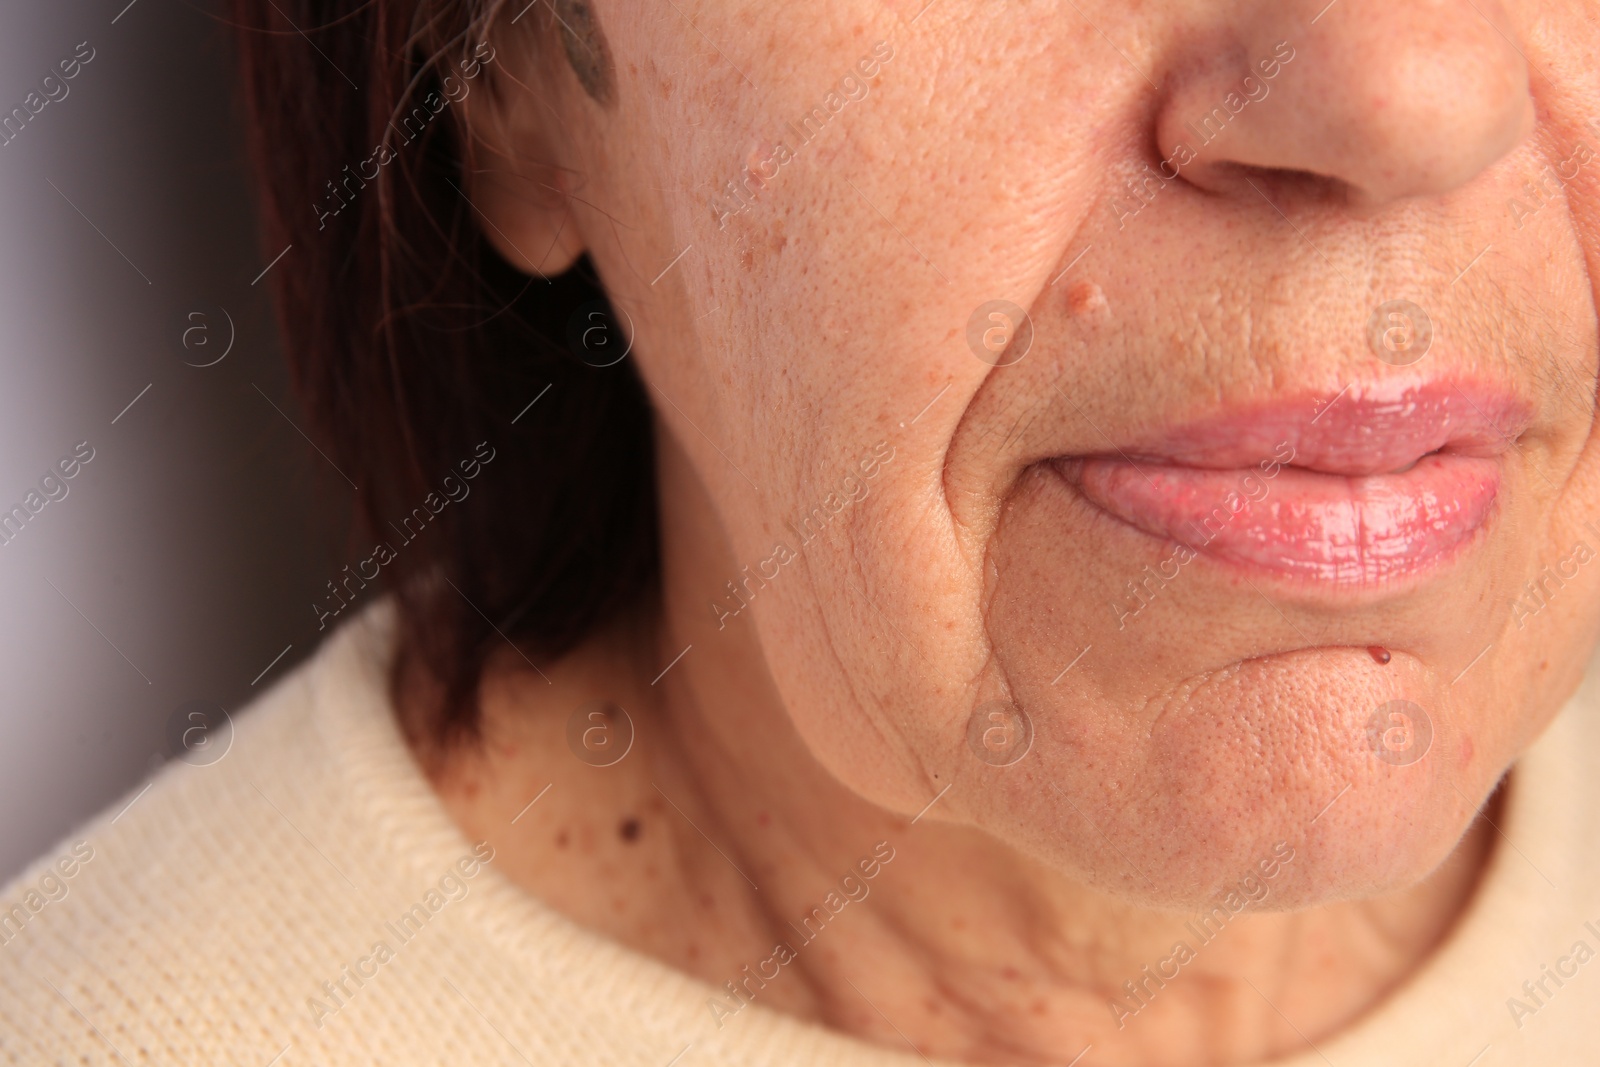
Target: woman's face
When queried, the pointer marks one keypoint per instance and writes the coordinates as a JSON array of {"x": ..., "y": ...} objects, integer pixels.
[{"x": 1270, "y": 255}]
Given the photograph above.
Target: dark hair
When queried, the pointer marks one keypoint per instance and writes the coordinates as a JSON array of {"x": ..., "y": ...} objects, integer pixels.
[{"x": 410, "y": 341}]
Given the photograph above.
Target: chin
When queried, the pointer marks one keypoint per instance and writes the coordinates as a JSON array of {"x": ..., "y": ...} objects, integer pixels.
[{"x": 1273, "y": 772}]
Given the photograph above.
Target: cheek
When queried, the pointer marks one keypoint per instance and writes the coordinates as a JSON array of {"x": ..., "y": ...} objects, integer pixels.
[{"x": 853, "y": 271}]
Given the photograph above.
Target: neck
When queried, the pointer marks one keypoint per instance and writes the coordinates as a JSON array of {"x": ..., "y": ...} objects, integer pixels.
[{"x": 765, "y": 878}]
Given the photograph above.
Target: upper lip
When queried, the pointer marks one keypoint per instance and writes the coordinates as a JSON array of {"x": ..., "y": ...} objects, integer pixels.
[{"x": 1364, "y": 429}]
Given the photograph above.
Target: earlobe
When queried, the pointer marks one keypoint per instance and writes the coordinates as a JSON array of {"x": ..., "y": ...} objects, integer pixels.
[
  {"x": 516, "y": 180},
  {"x": 526, "y": 220},
  {"x": 512, "y": 174}
]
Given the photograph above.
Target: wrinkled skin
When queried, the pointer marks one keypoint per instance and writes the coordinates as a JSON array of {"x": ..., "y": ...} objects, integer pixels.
[{"x": 828, "y": 313}]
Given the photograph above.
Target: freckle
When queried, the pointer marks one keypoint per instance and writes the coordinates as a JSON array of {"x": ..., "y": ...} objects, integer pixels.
[
  {"x": 1467, "y": 751},
  {"x": 657, "y": 804},
  {"x": 619, "y": 905},
  {"x": 1379, "y": 653},
  {"x": 958, "y": 924},
  {"x": 471, "y": 790},
  {"x": 931, "y": 1005},
  {"x": 706, "y": 900},
  {"x": 629, "y": 830},
  {"x": 1084, "y": 298},
  {"x": 693, "y": 952},
  {"x": 1544, "y": 665},
  {"x": 1038, "y": 1007},
  {"x": 763, "y": 819},
  {"x": 1010, "y": 973},
  {"x": 561, "y": 839}
]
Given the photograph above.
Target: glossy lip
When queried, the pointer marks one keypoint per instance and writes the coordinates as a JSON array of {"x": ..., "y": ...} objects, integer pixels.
[{"x": 1376, "y": 484}]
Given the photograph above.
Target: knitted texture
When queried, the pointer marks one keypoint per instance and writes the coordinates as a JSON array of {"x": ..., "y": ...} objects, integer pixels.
[{"x": 306, "y": 900}]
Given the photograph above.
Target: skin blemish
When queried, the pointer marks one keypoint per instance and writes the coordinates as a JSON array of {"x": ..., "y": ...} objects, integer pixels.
[
  {"x": 756, "y": 161},
  {"x": 1085, "y": 298},
  {"x": 629, "y": 830},
  {"x": 561, "y": 839},
  {"x": 1379, "y": 653}
]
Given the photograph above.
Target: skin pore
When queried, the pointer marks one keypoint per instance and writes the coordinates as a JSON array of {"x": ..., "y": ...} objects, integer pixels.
[{"x": 819, "y": 315}]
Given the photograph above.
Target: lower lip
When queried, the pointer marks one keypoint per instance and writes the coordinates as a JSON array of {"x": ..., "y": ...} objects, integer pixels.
[{"x": 1299, "y": 524}]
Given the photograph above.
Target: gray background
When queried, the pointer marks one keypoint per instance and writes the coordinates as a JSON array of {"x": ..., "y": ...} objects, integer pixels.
[{"x": 187, "y": 553}]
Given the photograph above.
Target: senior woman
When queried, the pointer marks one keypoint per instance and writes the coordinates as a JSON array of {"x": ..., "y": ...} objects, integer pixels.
[{"x": 962, "y": 530}]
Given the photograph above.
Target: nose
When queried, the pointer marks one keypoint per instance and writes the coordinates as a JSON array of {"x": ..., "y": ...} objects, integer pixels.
[{"x": 1387, "y": 99}]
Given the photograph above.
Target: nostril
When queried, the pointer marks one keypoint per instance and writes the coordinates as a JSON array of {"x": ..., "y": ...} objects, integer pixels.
[
  {"x": 1381, "y": 101},
  {"x": 1276, "y": 184}
]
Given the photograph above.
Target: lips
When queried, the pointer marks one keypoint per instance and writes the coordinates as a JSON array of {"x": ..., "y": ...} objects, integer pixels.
[{"x": 1365, "y": 488}]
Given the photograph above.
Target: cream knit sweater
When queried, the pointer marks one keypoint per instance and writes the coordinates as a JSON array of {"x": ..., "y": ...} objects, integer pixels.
[{"x": 306, "y": 900}]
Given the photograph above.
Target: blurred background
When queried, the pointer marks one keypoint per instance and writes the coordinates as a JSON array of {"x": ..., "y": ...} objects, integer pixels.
[{"x": 181, "y": 564}]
